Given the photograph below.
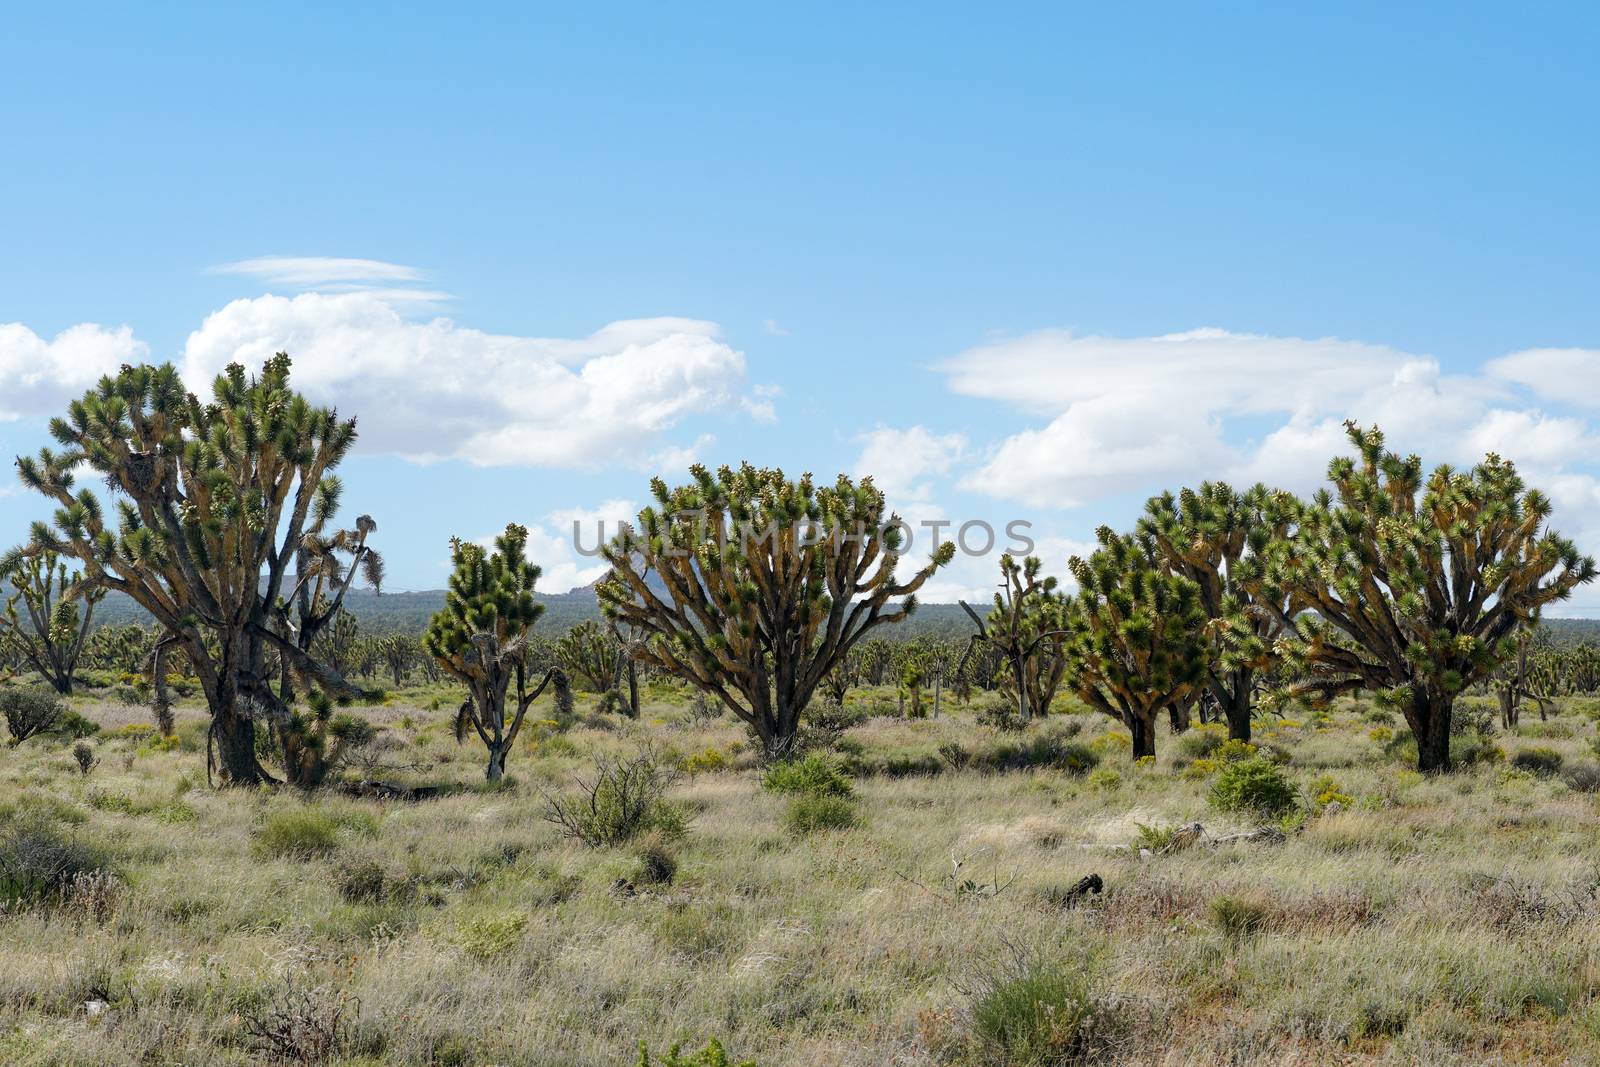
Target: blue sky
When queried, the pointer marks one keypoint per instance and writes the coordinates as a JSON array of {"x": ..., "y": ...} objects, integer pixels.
[{"x": 1037, "y": 261}]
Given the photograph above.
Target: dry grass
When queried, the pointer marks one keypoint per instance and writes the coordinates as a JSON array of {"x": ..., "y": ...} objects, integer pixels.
[{"x": 1429, "y": 921}]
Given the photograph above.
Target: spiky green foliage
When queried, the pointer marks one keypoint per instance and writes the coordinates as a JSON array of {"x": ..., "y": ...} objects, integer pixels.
[
  {"x": 50, "y": 632},
  {"x": 481, "y": 637},
  {"x": 1026, "y": 627},
  {"x": 1137, "y": 640},
  {"x": 601, "y": 658},
  {"x": 212, "y": 501},
  {"x": 1417, "y": 587},
  {"x": 1215, "y": 536},
  {"x": 768, "y": 582}
]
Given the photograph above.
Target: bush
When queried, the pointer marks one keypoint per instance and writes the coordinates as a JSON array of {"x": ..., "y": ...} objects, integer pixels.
[
  {"x": 362, "y": 882},
  {"x": 658, "y": 863},
  {"x": 713, "y": 1055},
  {"x": 1583, "y": 777},
  {"x": 625, "y": 798},
  {"x": 808, "y": 813},
  {"x": 1105, "y": 779},
  {"x": 1051, "y": 749},
  {"x": 1200, "y": 742},
  {"x": 1253, "y": 785},
  {"x": 38, "y": 865},
  {"x": 299, "y": 832},
  {"x": 1237, "y": 918},
  {"x": 1540, "y": 760},
  {"x": 29, "y": 711},
  {"x": 73, "y": 727},
  {"x": 815, "y": 775},
  {"x": 1033, "y": 1012}
]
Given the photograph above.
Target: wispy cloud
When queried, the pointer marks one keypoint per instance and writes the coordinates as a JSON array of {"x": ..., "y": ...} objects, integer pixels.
[{"x": 327, "y": 272}]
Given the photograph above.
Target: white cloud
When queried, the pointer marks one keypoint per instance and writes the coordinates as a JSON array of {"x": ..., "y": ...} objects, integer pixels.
[
  {"x": 38, "y": 377},
  {"x": 900, "y": 461},
  {"x": 773, "y": 328},
  {"x": 565, "y": 544},
  {"x": 430, "y": 390},
  {"x": 1564, "y": 375},
  {"x": 308, "y": 272}
]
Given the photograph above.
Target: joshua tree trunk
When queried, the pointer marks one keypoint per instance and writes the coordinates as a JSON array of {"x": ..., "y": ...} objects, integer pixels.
[
  {"x": 497, "y": 761},
  {"x": 1178, "y": 713},
  {"x": 1144, "y": 735},
  {"x": 232, "y": 738},
  {"x": 1510, "y": 707},
  {"x": 1429, "y": 718},
  {"x": 1236, "y": 706},
  {"x": 633, "y": 689}
]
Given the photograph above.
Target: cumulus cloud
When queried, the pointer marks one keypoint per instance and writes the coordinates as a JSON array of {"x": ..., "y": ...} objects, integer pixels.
[
  {"x": 41, "y": 376},
  {"x": 435, "y": 389},
  {"x": 1131, "y": 415},
  {"x": 901, "y": 461}
]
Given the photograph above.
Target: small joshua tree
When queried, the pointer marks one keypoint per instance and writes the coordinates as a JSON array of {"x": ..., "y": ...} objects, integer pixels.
[
  {"x": 1137, "y": 635},
  {"x": 52, "y": 634},
  {"x": 762, "y": 585},
  {"x": 1026, "y": 628},
  {"x": 599, "y": 657},
  {"x": 1418, "y": 587},
  {"x": 1214, "y": 536},
  {"x": 481, "y": 638}
]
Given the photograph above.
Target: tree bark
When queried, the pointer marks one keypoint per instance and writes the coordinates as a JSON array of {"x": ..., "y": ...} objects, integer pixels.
[
  {"x": 234, "y": 739},
  {"x": 1144, "y": 736},
  {"x": 633, "y": 690},
  {"x": 497, "y": 762},
  {"x": 1238, "y": 708},
  {"x": 1429, "y": 719},
  {"x": 1178, "y": 714}
]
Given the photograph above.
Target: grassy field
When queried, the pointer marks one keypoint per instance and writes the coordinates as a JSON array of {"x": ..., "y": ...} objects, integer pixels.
[{"x": 1398, "y": 920}]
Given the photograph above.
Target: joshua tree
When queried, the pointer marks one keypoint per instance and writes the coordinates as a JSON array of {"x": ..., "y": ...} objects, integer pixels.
[
  {"x": 52, "y": 636},
  {"x": 481, "y": 638},
  {"x": 398, "y": 652},
  {"x": 1214, "y": 537},
  {"x": 1026, "y": 628},
  {"x": 765, "y": 583},
  {"x": 1137, "y": 635},
  {"x": 1418, "y": 587},
  {"x": 212, "y": 502},
  {"x": 1519, "y": 678},
  {"x": 845, "y": 675},
  {"x": 599, "y": 656},
  {"x": 326, "y": 563}
]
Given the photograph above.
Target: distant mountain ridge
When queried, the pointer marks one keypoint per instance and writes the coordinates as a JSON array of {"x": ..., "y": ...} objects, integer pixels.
[{"x": 409, "y": 612}]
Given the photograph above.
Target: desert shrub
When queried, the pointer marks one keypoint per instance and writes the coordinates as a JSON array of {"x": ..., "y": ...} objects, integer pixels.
[
  {"x": 1033, "y": 1011},
  {"x": 298, "y": 1025},
  {"x": 1154, "y": 838},
  {"x": 954, "y": 756},
  {"x": 1540, "y": 760},
  {"x": 1200, "y": 742},
  {"x": 39, "y": 865},
  {"x": 1583, "y": 777},
  {"x": 1051, "y": 749},
  {"x": 1252, "y": 785},
  {"x": 712, "y": 1055},
  {"x": 807, "y": 813},
  {"x": 306, "y": 831},
  {"x": 1105, "y": 779},
  {"x": 815, "y": 775},
  {"x": 73, "y": 727},
  {"x": 488, "y": 936},
  {"x": 1233, "y": 751},
  {"x": 362, "y": 881},
  {"x": 658, "y": 862},
  {"x": 1378, "y": 716},
  {"x": 1238, "y": 917},
  {"x": 624, "y": 798},
  {"x": 1466, "y": 749},
  {"x": 1001, "y": 714},
  {"x": 29, "y": 712},
  {"x": 712, "y": 759},
  {"x": 83, "y": 755}
]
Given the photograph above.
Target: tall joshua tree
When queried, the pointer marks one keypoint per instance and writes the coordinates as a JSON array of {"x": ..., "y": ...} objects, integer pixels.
[
  {"x": 1137, "y": 635},
  {"x": 481, "y": 637},
  {"x": 1214, "y": 536},
  {"x": 1025, "y": 627},
  {"x": 1418, "y": 586},
  {"x": 211, "y": 502},
  {"x": 765, "y": 584},
  {"x": 51, "y": 635}
]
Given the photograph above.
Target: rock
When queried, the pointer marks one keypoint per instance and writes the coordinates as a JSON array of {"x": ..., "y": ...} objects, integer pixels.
[{"x": 95, "y": 1008}]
